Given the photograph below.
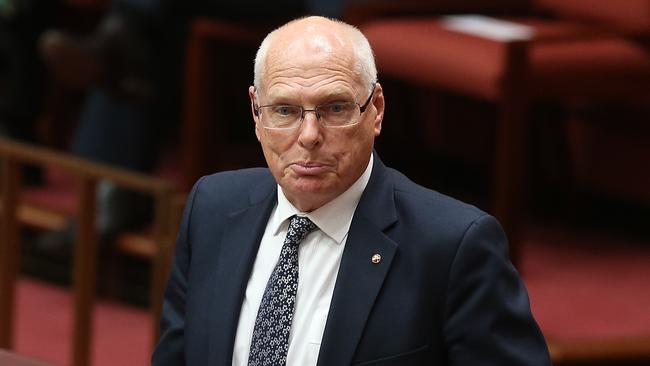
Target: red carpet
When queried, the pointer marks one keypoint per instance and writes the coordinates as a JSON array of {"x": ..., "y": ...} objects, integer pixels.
[
  {"x": 588, "y": 286},
  {"x": 583, "y": 286},
  {"x": 44, "y": 322}
]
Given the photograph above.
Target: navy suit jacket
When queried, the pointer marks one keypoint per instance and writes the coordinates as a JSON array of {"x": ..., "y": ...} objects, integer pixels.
[{"x": 444, "y": 292}]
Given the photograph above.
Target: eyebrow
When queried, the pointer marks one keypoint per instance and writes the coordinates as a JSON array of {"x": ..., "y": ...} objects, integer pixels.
[
  {"x": 336, "y": 95},
  {"x": 340, "y": 95}
]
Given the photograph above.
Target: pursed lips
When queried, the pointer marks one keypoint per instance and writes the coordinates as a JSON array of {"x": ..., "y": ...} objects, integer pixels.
[{"x": 309, "y": 167}]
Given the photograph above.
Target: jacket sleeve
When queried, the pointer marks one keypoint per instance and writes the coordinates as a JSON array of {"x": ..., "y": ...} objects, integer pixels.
[
  {"x": 487, "y": 316},
  {"x": 170, "y": 350}
]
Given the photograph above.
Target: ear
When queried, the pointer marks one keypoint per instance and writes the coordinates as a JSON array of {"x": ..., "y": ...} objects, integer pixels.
[
  {"x": 379, "y": 104},
  {"x": 254, "y": 104}
]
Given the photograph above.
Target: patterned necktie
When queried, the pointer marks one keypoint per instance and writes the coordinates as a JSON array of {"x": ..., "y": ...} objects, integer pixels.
[{"x": 270, "y": 341}]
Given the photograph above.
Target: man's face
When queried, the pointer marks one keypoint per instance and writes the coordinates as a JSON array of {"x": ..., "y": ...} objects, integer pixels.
[{"x": 314, "y": 164}]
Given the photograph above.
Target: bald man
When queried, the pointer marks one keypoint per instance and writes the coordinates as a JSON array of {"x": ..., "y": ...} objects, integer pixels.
[{"x": 328, "y": 257}]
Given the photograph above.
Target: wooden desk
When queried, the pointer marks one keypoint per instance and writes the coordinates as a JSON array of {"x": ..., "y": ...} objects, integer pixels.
[{"x": 8, "y": 358}]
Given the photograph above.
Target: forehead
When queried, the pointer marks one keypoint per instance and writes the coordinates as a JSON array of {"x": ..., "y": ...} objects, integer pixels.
[{"x": 309, "y": 61}]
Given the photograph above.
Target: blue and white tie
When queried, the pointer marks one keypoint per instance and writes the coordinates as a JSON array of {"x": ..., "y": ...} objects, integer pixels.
[{"x": 270, "y": 341}]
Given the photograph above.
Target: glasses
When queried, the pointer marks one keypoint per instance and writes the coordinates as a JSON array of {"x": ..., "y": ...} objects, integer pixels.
[{"x": 286, "y": 116}]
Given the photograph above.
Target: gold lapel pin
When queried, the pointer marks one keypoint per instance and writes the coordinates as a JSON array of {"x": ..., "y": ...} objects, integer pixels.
[{"x": 376, "y": 258}]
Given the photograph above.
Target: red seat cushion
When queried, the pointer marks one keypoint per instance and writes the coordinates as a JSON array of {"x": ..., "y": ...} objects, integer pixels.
[
  {"x": 422, "y": 51},
  {"x": 599, "y": 65}
]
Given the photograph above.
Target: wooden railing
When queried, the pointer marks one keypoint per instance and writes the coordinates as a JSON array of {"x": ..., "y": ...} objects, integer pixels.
[
  {"x": 168, "y": 205},
  {"x": 11, "y": 359},
  {"x": 633, "y": 351}
]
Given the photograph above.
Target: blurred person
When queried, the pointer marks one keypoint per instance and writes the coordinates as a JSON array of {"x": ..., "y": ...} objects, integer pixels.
[
  {"x": 328, "y": 256},
  {"x": 132, "y": 66}
]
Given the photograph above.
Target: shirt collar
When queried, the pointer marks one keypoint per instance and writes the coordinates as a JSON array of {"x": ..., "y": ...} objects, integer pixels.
[{"x": 333, "y": 218}]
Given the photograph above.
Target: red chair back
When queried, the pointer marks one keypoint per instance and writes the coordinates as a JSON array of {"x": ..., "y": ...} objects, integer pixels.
[{"x": 625, "y": 14}]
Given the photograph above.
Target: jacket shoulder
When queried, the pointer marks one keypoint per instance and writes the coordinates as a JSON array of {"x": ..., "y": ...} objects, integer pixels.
[
  {"x": 435, "y": 220},
  {"x": 229, "y": 190},
  {"x": 422, "y": 199}
]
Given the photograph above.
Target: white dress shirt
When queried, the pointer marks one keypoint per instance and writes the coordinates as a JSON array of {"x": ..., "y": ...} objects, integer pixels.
[{"x": 319, "y": 257}]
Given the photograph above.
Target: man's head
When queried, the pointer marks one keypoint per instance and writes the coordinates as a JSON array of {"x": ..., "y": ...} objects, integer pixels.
[{"x": 316, "y": 63}]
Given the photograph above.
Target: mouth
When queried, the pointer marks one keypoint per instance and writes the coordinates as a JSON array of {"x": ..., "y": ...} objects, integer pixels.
[{"x": 309, "y": 168}]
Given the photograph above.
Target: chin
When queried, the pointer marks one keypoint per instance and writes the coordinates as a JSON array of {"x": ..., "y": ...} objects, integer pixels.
[
  {"x": 312, "y": 187},
  {"x": 310, "y": 184}
]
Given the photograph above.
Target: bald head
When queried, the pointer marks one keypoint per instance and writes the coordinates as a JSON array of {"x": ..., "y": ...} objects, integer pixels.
[{"x": 321, "y": 37}]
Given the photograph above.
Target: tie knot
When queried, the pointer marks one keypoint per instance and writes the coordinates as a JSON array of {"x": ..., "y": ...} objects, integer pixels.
[{"x": 299, "y": 227}]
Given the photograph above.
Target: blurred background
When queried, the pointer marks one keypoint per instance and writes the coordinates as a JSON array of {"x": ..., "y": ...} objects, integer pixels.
[{"x": 536, "y": 111}]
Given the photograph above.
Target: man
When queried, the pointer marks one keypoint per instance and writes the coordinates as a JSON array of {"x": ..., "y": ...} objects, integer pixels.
[{"x": 374, "y": 270}]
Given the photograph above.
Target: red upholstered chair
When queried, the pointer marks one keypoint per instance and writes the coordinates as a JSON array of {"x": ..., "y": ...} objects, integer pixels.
[{"x": 567, "y": 50}]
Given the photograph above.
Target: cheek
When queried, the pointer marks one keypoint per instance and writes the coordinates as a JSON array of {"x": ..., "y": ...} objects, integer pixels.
[
  {"x": 273, "y": 146},
  {"x": 352, "y": 147},
  {"x": 362, "y": 139}
]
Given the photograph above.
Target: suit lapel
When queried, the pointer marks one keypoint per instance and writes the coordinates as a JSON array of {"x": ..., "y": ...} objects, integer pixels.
[
  {"x": 239, "y": 244},
  {"x": 359, "y": 280}
]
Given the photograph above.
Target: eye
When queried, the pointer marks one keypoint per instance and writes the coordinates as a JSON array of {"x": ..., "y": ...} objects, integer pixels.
[
  {"x": 334, "y": 108},
  {"x": 284, "y": 110}
]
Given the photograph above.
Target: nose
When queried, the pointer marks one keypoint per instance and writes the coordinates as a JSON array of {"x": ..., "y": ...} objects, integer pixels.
[
  {"x": 310, "y": 130},
  {"x": 305, "y": 111}
]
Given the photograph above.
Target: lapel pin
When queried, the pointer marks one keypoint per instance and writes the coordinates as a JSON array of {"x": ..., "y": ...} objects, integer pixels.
[{"x": 376, "y": 258}]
